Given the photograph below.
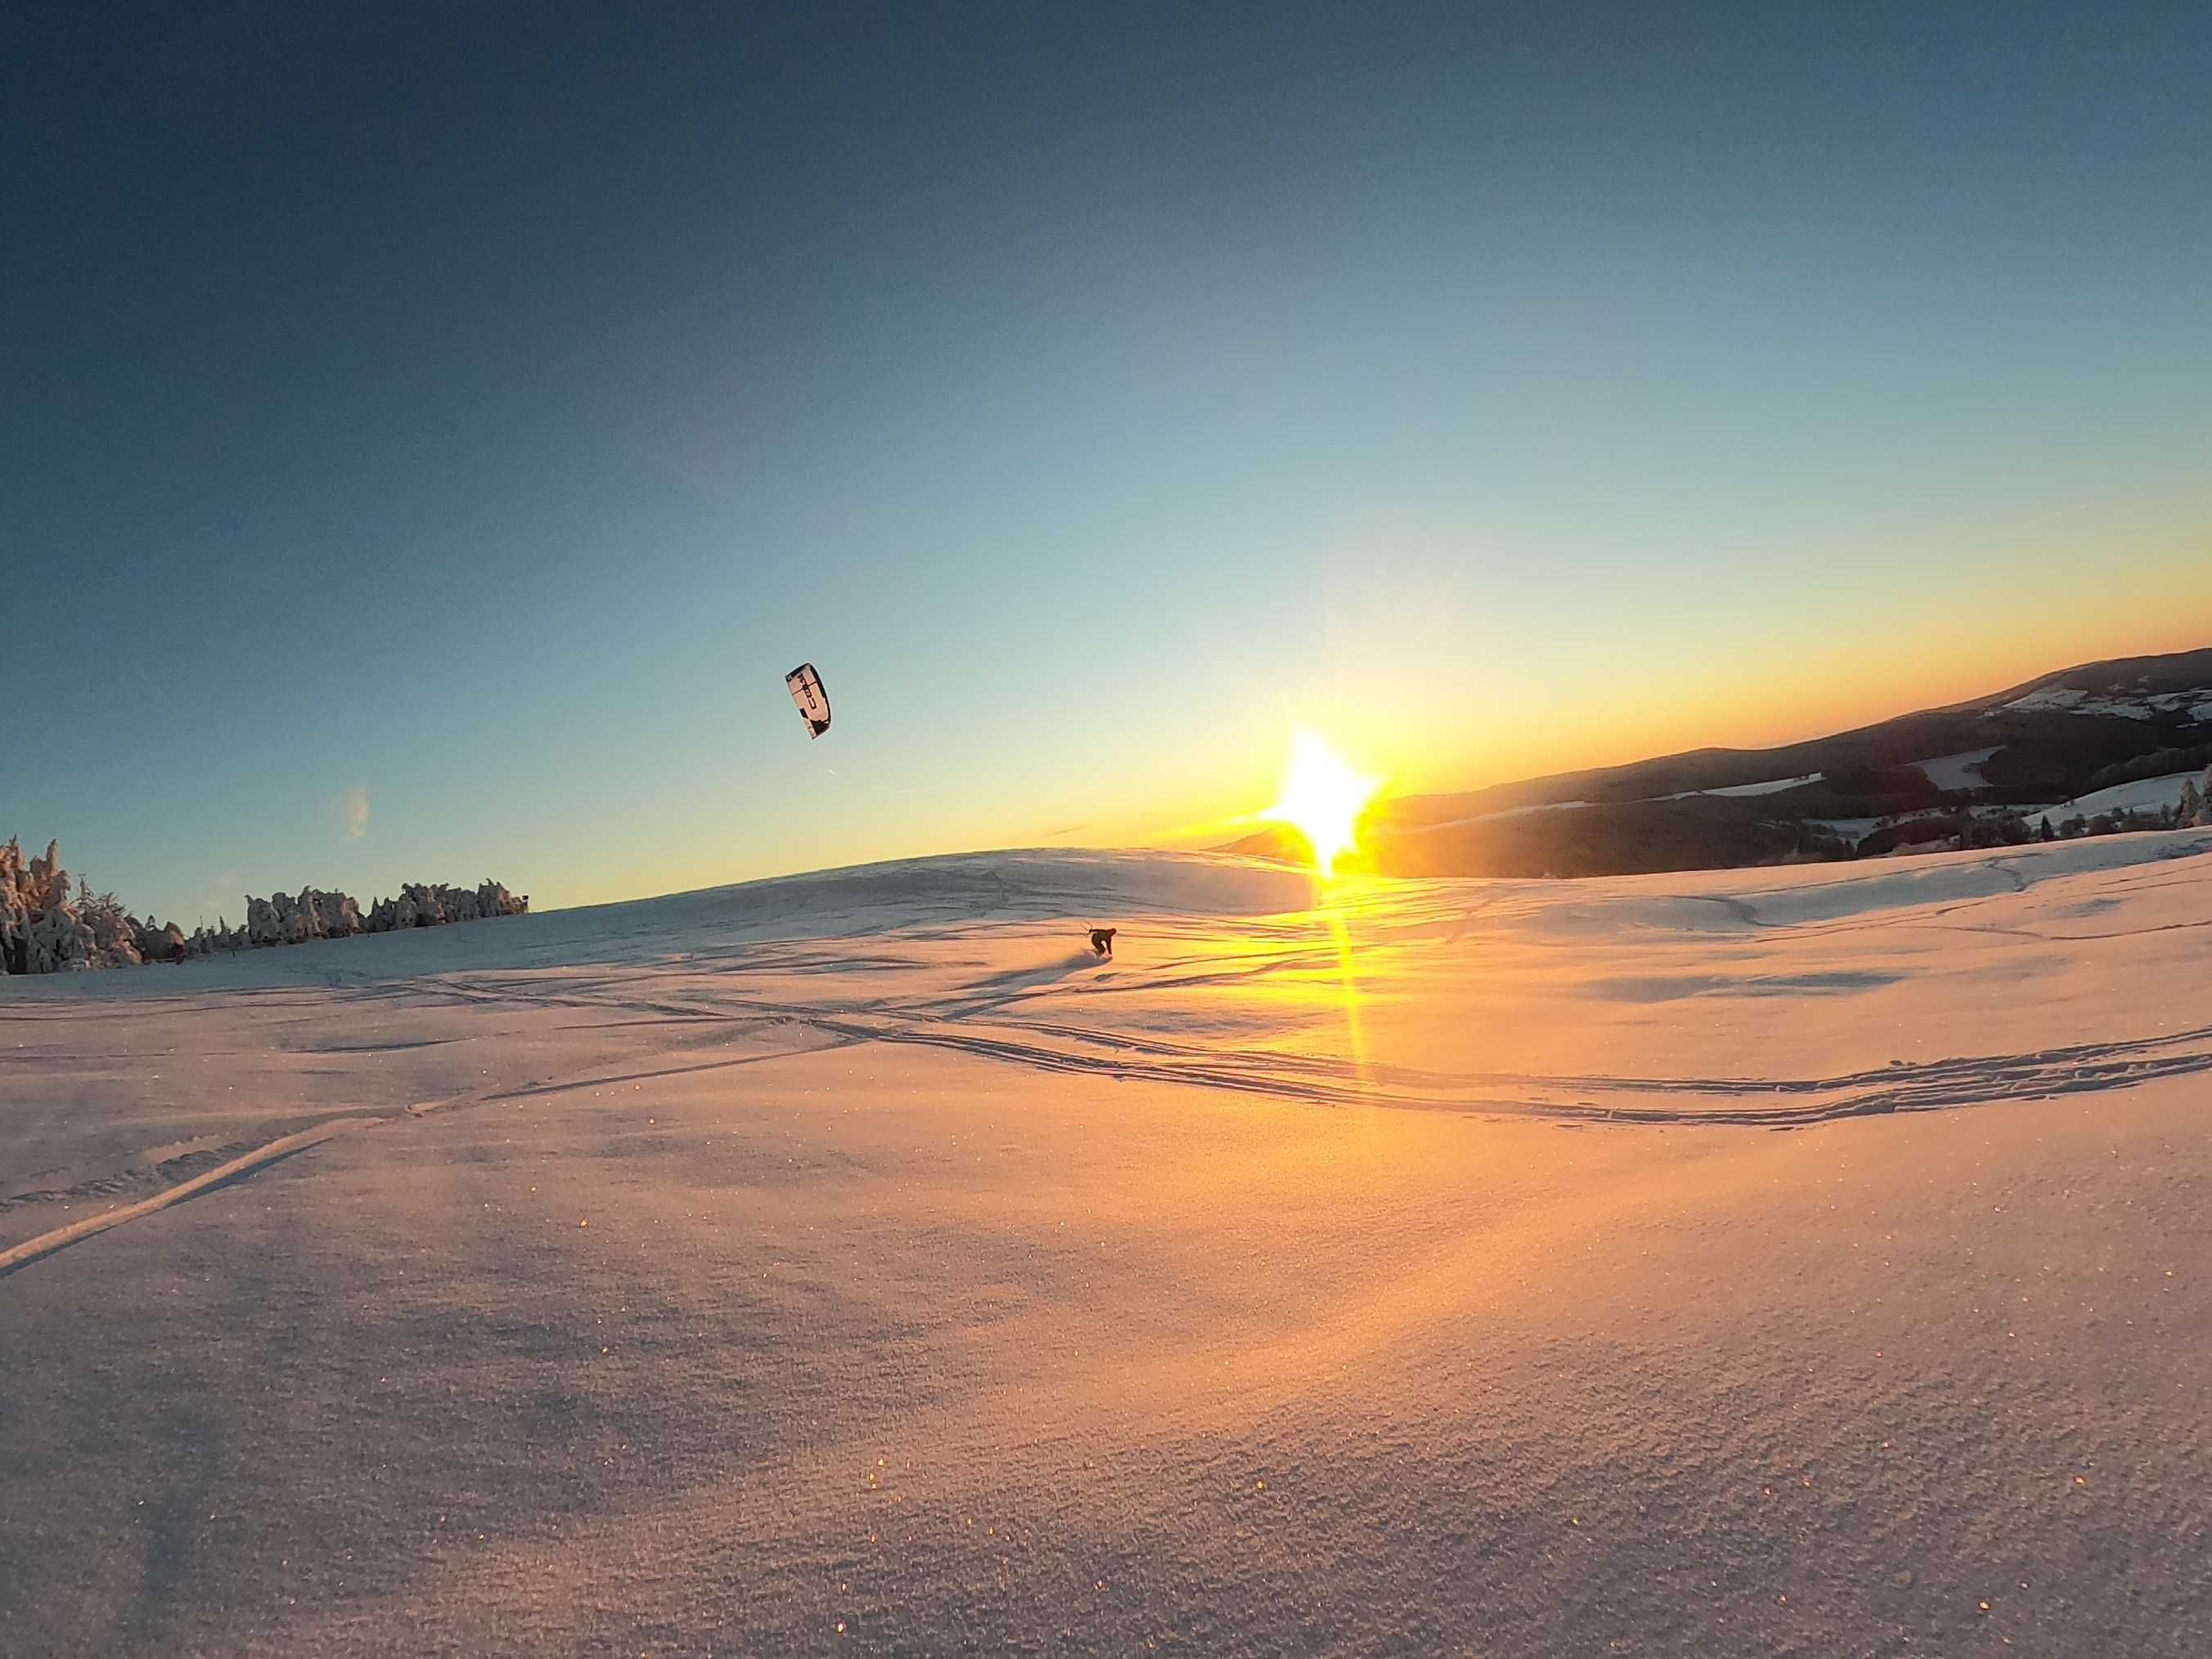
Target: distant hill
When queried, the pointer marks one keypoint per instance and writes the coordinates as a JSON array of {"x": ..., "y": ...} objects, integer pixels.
[{"x": 1978, "y": 773}]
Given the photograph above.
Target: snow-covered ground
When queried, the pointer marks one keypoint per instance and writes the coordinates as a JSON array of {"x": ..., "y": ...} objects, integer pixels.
[
  {"x": 2135, "y": 705},
  {"x": 1952, "y": 772},
  {"x": 1771, "y": 787},
  {"x": 1746, "y": 791},
  {"x": 856, "y": 1263},
  {"x": 1946, "y": 772},
  {"x": 2143, "y": 795}
]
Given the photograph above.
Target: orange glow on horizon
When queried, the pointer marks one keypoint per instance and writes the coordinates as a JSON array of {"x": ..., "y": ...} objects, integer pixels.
[
  {"x": 1322, "y": 798},
  {"x": 1761, "y": 699}
]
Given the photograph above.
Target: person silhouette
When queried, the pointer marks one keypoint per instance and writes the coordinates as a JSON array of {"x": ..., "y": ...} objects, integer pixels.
[{"x": 1102, "y": 940}]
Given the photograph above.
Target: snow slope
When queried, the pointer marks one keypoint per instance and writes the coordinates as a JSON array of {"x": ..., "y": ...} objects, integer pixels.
[
  {"x": 855, "y": 1263},
  {"x": 1954, "y": 771},
  {"x": 2140, "y": 795}
]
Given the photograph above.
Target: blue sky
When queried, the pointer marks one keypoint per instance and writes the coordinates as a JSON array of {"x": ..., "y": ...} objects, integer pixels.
[{"x": 431, "y": 432}]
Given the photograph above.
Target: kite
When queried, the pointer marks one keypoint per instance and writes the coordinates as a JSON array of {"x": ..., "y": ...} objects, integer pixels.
[{"x": 813, "y": 702}]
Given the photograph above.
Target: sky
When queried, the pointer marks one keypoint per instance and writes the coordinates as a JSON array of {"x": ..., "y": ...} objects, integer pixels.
[{"x": 429, "y": 433}]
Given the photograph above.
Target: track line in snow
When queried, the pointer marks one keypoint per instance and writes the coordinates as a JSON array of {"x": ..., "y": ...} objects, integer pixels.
[{"x": 31, "y": 1250}]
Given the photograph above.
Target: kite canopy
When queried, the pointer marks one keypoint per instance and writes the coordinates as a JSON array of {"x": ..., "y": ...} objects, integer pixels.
[{"x": 813, "y": 702}]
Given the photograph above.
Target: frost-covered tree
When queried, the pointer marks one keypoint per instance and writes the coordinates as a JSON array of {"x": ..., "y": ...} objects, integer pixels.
[
  {"x": 40, "y": 930},
  {"x": 114, "y": 933}
]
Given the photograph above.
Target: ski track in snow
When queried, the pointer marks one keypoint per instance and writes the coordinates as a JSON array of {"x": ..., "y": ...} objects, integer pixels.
[
  {"x": 989, "y": 1018},
  {"x": 1270, "y": 1003},
  {"x": 1329, "y": 1080}
]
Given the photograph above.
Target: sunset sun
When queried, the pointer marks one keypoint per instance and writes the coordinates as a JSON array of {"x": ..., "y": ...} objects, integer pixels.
[{"x": 1322, "y": 798}]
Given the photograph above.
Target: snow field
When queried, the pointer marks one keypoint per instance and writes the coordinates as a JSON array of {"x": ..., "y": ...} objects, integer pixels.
[{"x": 855, "y": 1264}]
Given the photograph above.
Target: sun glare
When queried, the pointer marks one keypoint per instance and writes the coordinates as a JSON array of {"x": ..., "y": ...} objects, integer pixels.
[{"x": 1321, "y": 798}]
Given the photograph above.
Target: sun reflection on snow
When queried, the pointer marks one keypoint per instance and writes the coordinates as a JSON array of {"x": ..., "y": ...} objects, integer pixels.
[
  {"x": 1323, "y": 798},
  {"x": 1332, "y": 914}
]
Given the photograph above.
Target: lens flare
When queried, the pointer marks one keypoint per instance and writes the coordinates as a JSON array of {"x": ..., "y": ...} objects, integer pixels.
[{"x": 1321, "y": 798}]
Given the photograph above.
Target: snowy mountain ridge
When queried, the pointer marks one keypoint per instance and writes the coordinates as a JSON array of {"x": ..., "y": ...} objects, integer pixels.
[{"x": 1985, "y": 771}]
